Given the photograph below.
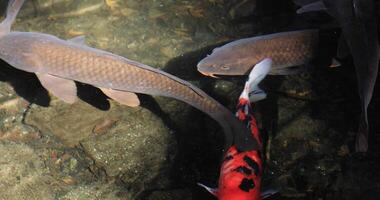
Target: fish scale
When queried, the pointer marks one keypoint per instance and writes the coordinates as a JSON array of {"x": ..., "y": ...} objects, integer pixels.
[{"x": 287, "y": 49}]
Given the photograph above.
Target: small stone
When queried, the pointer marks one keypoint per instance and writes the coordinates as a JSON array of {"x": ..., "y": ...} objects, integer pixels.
[{"x": 343, "y": 151}]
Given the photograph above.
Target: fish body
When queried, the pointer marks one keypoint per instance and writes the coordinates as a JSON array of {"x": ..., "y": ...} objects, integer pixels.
[
  {"x": 240, "y": 176},
  {"x": 358, "y": 22},
  {"x": 241, "y": 171},
  {"x": 58, "y": 63},
  {"x": 46, "y": 54},
  {"x": 286, "y": 49}
]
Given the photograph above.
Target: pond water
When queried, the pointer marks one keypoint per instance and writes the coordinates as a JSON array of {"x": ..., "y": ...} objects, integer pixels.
[{"x": 99, "y": 149}]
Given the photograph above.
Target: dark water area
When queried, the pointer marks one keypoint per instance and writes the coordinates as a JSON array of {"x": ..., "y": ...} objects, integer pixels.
[{"x": 99, "y": 149}]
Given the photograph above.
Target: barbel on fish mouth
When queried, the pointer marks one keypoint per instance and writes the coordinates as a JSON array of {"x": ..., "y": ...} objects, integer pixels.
[
  {"x": 58, "y": 63},
  {"x": 287, "y": 50}
]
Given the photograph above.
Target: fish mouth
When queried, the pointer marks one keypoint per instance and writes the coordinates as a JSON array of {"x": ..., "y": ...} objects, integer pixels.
[{"x": 208, "y": 74}]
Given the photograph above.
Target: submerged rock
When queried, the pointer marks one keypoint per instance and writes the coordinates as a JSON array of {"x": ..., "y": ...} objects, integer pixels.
[
  {"x": 136, "y": 149},
  {"x": 94, "y": 191},
  {"x": 132, "y": 144},
  {"x": 70, "y": 123}
]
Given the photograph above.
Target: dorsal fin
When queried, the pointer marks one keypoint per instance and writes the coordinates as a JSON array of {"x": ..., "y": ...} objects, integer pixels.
[{"x": 78, "y": 40}]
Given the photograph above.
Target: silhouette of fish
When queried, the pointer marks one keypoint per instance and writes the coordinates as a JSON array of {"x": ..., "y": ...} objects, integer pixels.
[
  {"x": 241, "y": 171},
  {"x": 358, "y": 21}
]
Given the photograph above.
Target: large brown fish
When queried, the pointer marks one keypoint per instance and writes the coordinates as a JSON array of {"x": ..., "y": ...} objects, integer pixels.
[
  {"x": 58, "y": 63},
  {"x": 287, "y": 50}
]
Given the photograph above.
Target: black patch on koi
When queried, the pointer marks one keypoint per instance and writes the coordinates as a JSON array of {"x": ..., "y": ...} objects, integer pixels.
[
  {"x": 227, "y": 158},
  {"x": 247, "y": 184},
  {"x": 259, "y": 155},
  {"x": 251, "y": 163},
  {"x": 244, "y": 170}
]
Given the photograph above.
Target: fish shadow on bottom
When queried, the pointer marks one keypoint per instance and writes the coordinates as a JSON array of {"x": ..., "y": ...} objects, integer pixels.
[{"x": 24, "y": 84}]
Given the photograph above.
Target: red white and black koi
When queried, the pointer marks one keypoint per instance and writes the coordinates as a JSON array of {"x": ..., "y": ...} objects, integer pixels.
[{"x": 240, "y": 174}]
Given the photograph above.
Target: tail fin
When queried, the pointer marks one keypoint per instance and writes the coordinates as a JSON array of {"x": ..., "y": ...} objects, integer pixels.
[
  {"x": 258, "y": 73},
  {"x": 14, "y": 7},
  {"x": 315, "y": 6}
]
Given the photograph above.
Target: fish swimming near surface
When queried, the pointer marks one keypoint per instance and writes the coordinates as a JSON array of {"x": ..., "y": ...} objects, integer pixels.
[
  {"x": 290, "y": 51},
  {"x": 58, "y": 63},
  {"x": 241, "y": 171},
  {"x": 358, "y": 22}
]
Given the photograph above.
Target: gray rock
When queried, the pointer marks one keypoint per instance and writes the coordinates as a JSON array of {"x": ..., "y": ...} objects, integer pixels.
[
  {"x": 137, "y": 148},
  {"x": 94, "y": 191}
]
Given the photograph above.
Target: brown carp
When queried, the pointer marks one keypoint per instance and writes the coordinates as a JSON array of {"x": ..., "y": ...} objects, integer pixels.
[
  {"x": 288, "y": 50},
  {"x": 58, "y": 63}
]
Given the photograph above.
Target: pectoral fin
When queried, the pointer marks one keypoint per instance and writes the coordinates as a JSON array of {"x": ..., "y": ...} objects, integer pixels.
[
  {"x": 78, "y": 40},
  {"x": 267, "y": 193},
  {"x": 335, "y": 63},
  {"x": 213, "y": 191},
  {"x": 62, "y": 88},
  {"x": 125, "y": 98}
]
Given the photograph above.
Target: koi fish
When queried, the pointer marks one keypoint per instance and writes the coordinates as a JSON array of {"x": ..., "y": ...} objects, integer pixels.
[
  {"x": 288, "y": 50},
  {"x": 58, "y": 63},
  {"x": 241, "y": 171},
  {"x": 358, "y": 21}
]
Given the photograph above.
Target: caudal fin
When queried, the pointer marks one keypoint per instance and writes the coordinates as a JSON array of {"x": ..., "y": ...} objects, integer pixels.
[
  {"x": 251, "y": 89},
  {"x": 315, "y": 6},
  {"x": 14, "y": 7}
]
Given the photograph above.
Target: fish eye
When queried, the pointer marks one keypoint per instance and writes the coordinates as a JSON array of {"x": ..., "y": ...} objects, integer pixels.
[{"x": 225, "y": 67}]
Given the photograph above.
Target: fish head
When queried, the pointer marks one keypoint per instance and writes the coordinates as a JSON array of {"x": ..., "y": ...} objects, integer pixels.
[{"x": 230, "y": 59}]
